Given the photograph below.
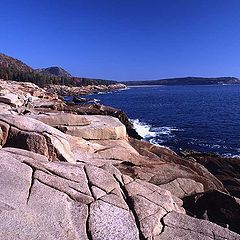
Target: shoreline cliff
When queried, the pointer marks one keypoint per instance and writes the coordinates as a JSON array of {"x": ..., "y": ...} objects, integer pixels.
[{"x": 76, "y": 172}]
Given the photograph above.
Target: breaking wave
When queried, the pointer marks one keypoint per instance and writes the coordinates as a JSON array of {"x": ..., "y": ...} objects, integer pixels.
[{"x": 151, "y": 133}]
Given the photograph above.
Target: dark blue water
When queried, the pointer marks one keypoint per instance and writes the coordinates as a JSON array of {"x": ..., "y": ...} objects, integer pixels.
[{"x": 202, "y": 118}]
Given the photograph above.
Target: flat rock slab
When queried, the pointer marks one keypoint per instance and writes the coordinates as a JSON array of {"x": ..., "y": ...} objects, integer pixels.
[
  {"x": 90, "y": 127},
  {"x": 62, "y": 119},
  {"x": 101, "y": 128},
  {"x": 11, "y": 99}
]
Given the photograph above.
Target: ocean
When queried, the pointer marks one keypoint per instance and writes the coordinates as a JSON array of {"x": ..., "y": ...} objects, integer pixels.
[{"x": 201, "y": 118}]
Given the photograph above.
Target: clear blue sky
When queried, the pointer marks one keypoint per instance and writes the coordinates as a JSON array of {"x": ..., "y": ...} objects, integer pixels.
[{"x": 125, "y": 39}]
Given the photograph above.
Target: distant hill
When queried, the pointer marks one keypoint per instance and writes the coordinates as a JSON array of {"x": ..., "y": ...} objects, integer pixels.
[
  {"x": 16, "y": 70},
  {"x": 12, "y": 63},
  {"x": 54, "y": 71},
  {"x": 186, "y": 81}
]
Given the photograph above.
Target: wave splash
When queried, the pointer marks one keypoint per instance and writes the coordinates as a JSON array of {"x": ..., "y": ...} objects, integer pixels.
[
  {"x": 143, "y": 129},
  {"x": 148, "y": 132}
]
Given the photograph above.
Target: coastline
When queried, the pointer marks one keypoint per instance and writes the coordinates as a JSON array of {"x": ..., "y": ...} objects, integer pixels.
[
  {"x": 63, "y": 90},
  {"x": 181, "y": 126},
  {"x": 78, "y": 162}
]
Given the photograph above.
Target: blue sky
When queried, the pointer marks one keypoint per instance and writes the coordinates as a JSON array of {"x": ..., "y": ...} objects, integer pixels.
[{"x": 125, "y": 39}]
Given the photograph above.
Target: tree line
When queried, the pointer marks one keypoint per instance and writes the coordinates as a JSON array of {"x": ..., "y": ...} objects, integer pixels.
[{"x": 7, "y": 73}]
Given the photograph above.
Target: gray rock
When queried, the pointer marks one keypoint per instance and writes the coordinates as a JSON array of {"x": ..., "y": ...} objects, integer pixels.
[
  {"x": 179, "y": 226},
  {"x": 110, "y": 222},
  {"x": 182, "y": 187}
]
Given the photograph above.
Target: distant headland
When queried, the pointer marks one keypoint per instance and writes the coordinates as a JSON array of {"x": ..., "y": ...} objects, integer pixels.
[{"x": 186, "y": 81}]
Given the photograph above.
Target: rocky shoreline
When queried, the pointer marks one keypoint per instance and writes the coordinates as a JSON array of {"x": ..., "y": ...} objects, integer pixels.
[
  {"x": 63, "y": 90},
  {"x": 78, "y": 172}
]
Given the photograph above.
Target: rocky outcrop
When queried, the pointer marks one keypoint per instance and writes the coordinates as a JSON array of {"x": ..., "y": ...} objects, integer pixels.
[
  {"x": 98, "y": 109},
  {"x": 86, "y": 202},
  {"x": 217, "y": 207},
  {"x": 63, "y": 90},
  {"x": 54, "y": 200},
  {"x": 227, "y": 170},
  {"x": 70, "y": 176},
  {"x": 30, "y": 134},
  {"x": 179, "y": 227},
  {"x": 87, "y": 127}
]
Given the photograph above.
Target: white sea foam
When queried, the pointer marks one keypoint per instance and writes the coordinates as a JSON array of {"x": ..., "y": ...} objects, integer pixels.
[
  {"x": 165, "y": 130},
  {"x": 229, "y": 155},
  {"x": 154, "y": 142},
  {"x": 123, "y": 89},
  {"x": 143, "y": 129},
  {"x": 147, "y": 131}
]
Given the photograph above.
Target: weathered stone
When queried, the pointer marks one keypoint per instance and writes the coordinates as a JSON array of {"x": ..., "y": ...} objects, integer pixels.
[
  {"x": 150, "y": 204},
  {"x": 5, "y": 108},
  {"x": 31, "y": 141},
  {"x": 4, "y": 132},
  {"x": 90, "y": 198},
  {"x": 182, "y": 187},
  {"x": 97, "y": 192},
  {"x": 11, "y": 99},
  {"x": 58, "y": 200},
  {"x": 101, "y": 127},
  {"x": 61, "y": 119},
  {"x": 30, "y": 134},
  {"x": 100, "y": 178},
  {"x": 179, "y": 226},
  {"x": 110, "y": 222}
]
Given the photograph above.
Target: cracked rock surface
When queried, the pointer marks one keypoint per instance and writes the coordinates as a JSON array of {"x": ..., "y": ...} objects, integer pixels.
[{"x": 72, "y": 201}]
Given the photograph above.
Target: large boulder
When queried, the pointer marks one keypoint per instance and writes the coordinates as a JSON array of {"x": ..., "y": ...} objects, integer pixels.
[
  {"x": 98, "y": 109},
  {"x": 30, "y": 134},
  {"x": 88, "y": 127}
]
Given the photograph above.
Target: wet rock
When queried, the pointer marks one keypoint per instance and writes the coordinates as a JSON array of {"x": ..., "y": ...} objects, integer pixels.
[
  {"x": 227, "y": 170},
  {"x": 216, "y": 207}
]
